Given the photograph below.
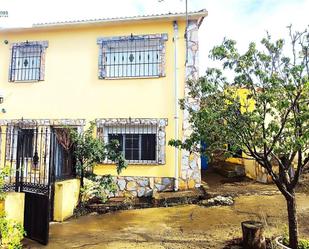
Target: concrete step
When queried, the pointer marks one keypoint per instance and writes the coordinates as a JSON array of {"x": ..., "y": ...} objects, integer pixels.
[{"x": 229, "y": 170}]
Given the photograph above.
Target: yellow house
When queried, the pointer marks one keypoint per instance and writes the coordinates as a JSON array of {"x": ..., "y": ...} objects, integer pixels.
[
  {"x": 250, "y": 166},
  {"x": 126, "y": 73}
]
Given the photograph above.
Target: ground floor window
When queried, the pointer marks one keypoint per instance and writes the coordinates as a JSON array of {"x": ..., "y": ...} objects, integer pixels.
[
  {"x": 136, "y": 146},
  {"x": 142, "y": 141},
  {"x": 21, "y": 141}
]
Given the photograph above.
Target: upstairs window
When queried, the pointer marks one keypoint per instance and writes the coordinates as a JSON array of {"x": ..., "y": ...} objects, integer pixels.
[
  {"x": 27, "y": 61},
  {"x": 132, "y": 56}
]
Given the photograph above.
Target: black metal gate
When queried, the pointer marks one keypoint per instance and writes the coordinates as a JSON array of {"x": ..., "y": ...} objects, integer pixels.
[{"x": 29, "y": 153}]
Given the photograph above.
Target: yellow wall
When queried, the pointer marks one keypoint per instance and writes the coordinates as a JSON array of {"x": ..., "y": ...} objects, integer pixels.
[
  {"x": 14, "y": 206},
  {"x": 72, "y": 90},
  {"x": 246, "y": 103},
  {"x": 65, "y": 199}
]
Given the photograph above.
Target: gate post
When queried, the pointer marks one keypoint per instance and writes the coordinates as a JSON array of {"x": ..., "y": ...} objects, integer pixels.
[
  {"x": 18, "y": 166},
  {"x": 51, "y": 172}
]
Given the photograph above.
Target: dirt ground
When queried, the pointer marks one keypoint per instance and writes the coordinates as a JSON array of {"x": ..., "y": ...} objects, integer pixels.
[
  {"x": 216, "y": 184},
  {"x": 187, "y": 226}
]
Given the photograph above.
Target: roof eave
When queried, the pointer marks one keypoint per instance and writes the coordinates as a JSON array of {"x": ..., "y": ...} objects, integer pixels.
[{"x": 199, "y": 16}]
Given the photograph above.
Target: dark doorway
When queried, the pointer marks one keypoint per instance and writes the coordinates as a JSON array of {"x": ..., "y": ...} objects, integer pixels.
[{"x": 64, "y": 159}]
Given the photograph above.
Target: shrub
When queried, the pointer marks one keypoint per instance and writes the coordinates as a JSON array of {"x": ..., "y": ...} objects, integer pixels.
[
  {"x": 302, "y": 244},
  {"x": 97, "y": 187},
  {"x": 4, "y": 172},
  {"x": 11, "y": 233}
]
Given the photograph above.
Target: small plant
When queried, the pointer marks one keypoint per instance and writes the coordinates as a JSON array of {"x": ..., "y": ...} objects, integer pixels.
[
  {"x": 128, "y": 198},
  {"x": 11, "y": 232},
  {"x": 302, "y": 244},
  {"x": 5, "y": 172},
  {"x": 90, "y": 151},
  {"x": 98, "y": 187}
]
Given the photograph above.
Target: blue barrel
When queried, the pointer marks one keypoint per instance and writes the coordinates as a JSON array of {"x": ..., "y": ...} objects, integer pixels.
[{"x": 204, "y": 159}]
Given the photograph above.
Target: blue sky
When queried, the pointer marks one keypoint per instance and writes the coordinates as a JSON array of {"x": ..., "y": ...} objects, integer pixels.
[{"x": 242, "y": 20}]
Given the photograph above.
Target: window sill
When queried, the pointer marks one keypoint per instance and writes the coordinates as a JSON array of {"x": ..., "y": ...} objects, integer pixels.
[
  {"x": 25, "y": 81},
  {"x": 131, "y": 78},
  {"x": 64, "y": 178},
  {"x": 154, "y": 163}
]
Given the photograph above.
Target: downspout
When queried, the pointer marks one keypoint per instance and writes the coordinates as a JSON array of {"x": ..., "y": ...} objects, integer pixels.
[{"x": 176, "y": 116}]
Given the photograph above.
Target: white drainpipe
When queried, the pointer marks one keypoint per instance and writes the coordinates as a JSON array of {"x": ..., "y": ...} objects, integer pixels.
[{"x": 176, "y": 117}]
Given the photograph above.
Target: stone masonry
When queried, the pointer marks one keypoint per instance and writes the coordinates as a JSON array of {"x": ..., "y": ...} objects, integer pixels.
[
  {"x": 190, "y": 175},
  {"x": 142, "y": 186}
]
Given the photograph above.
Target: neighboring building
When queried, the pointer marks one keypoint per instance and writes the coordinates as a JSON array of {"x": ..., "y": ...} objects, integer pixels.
[{"x": 127, "y": 74}]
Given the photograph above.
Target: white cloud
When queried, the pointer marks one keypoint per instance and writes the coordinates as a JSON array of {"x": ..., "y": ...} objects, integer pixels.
[{"x": 242, "y": 20}]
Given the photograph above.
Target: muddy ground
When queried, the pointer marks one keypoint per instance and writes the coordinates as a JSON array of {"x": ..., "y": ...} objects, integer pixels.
[{"x": 187, "y": 226}]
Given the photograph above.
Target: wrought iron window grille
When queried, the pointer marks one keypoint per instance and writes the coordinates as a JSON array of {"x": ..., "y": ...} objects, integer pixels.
[
  {"x": 34, "y": 156},
  {"x": 27, "y": 61},
  {"x": 27, "y": 153},
  {"x": 140, "y": 140},
  {"x": 138, "y": 144},
  {"x": 132, "y": 56}
]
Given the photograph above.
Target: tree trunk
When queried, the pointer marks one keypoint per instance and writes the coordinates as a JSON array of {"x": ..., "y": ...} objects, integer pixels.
[
  {"x": 253, "y": 237},
  {"x": 82, "y": 173},
  {"x": 293, "y": 224}
]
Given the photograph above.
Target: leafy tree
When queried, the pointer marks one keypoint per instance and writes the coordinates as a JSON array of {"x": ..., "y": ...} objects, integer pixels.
[
  {"x": 90, "y": 151},
  {"x": 262, "y": 109}
]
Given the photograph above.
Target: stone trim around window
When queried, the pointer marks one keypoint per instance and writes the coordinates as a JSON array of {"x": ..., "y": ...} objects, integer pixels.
[
  {"x": 102, "y": 41},
  {"x": 43, "y": 122},
  {"x": 43, "y": 44},
  {"x": 160, "y": 129}
]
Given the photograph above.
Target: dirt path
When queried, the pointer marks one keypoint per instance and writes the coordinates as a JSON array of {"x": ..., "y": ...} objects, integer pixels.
[
  {"x": 216, "y": 184},
  {"x": 188, "y": 226}
]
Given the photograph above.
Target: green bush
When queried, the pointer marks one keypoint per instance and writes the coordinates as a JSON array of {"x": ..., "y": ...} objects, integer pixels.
[
  {"x": 97, "y": 187},
  {"x": 11, "y": 233},
  {"x": 303, "y": 243},
  {"x": 4, "y": 172}
]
